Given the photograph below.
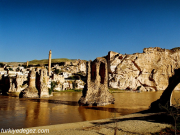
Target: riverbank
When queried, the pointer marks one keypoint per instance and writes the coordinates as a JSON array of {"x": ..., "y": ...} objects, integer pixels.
[{"x": 145, "y": 122}]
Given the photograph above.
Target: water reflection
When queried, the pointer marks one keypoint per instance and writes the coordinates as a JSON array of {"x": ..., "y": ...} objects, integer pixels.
[{"x": 63, "y": 108}]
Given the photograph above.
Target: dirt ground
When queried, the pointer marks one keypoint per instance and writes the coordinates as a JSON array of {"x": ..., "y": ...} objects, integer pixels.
[{"x": 140, "y": 123}]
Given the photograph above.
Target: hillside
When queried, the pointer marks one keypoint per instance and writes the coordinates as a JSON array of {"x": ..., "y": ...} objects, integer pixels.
[
  {"x": 45, "y": 61},
  {"x": 40, "y": 62}
]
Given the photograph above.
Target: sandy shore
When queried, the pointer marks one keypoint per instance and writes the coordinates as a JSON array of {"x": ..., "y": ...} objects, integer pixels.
[{"x": 138, "y": 123}]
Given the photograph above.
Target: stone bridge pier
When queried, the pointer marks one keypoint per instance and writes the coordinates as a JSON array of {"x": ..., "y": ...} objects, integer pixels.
[
  {"x": 96, "y": 92},
  {"x": 165, "y": 98},
  {"x": 31, "y": 91}
]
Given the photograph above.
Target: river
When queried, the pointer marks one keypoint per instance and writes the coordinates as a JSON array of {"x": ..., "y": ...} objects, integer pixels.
[{"x": 63, "y": 108}]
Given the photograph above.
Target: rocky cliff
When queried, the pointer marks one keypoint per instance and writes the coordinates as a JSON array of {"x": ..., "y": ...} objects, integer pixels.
[{"x": 147, "y": 71}]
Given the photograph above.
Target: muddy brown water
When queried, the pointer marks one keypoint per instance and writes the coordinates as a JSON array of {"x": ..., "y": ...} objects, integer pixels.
[{"x": 63, "y": 108}]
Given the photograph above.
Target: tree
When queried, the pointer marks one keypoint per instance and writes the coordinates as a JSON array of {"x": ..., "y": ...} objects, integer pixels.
[
  {"x": 18, "y": 69},
  {"x": 74, "y": 85},
  {"x": 10, "y": 69},
  {"x": 53, "y": 84},
  {"x": 57, "y": 71},
  {"x": 25, "y": 66},
  {"x": 173, "y": 111},
  {"x": 1, "y": 65}
]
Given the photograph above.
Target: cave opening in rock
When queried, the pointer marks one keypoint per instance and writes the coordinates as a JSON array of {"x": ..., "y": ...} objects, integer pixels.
[
  {"x": 102, "y": 72},
  {"x": 93, "y": 71}
]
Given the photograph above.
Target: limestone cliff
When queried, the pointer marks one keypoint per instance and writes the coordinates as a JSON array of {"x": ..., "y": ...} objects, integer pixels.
[{"x": 148, "y": 71}]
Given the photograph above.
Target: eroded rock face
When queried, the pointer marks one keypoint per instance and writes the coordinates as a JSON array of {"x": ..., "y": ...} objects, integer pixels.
[
  {"x": 16, "y": 83},
  {"x": 31, "y": 91},
  {"x": 149, "y": 70},
  {"x": 96, "y": 90}
]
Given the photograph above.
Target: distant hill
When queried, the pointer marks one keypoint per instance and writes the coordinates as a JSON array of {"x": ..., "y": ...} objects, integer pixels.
[
  {"x": 40, "y": 62},
  {"x": 45, "y": 61},
  {"x": 13, "y": 63}
]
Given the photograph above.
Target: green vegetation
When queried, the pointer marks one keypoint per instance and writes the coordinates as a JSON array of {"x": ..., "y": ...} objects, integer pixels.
[
  {"x": 18, "y": 69},
  {"x": 25, "y": 66},
  {"x": 53, "y": 84},
  {"x": 112, "y": 90},
  {"x": 74, "y": 84},
  {"x": 1, "y": 64},
  {"x": 74, "y": 77},
  {"x": 57, "y": 71},
  {"x": 10, "y": 69},
  {"x": 138, "y": 88},
  {"x": 70, "y": 90}
]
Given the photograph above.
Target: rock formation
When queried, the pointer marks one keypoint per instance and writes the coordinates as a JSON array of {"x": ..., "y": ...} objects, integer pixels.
[
  {"x": 148, "y": 71},
  {"x": 165, "y": 99},
  {"x": 31, "y": 91},
  {"x": 43, "y": 92},
  {"x": 96, "y": 90},
  {"x": 16, "y": 83}
]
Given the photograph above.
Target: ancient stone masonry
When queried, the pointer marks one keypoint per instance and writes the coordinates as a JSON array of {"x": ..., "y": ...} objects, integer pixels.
[
  {"x": 16, "y": 83},
  {"x": 43, "y": 92},
  {"x": 49, "y": 64},
  {"x": 31, "y": 91},
  {"x": 148, "y": 71},
  {"x": 96, "y": 90},
  {"x": 165, "y": 99}
]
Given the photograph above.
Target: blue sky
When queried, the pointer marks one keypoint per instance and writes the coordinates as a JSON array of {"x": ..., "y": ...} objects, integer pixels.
[{"x": 85, "y": 29}]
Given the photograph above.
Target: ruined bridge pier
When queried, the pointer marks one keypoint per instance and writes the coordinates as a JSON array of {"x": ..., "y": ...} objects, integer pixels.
[
  {"x": 96, "y": 91},
  {"x": 165, "y": 99}
]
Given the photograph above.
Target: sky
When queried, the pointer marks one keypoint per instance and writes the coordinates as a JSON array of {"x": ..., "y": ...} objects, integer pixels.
[{"x": 85, "y": 29}]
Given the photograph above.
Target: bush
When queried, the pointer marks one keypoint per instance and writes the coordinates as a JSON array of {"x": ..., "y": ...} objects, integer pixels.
[
  {"x": 138, "y": 88},
  {"x": 74, "y": 77},
  {"x": 53, "y": 84},
  {"x": 74, "y": 84},
  {"x": 57, "y": 71},
  {"x": 10, "y": 69},
  {"x": 1, "y": 65}
]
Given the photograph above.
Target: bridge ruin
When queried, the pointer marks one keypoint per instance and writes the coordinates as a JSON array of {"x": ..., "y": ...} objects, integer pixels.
[
  {"x": 96, "y": 91},
  {"x": 165, "y": 99}
]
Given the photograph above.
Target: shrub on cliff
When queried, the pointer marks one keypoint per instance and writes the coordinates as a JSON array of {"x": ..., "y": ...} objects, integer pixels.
[{"x": 53, "y": 84}]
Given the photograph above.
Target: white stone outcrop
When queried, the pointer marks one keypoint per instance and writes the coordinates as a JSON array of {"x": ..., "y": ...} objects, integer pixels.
[{"x": 150, "y": 69}]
